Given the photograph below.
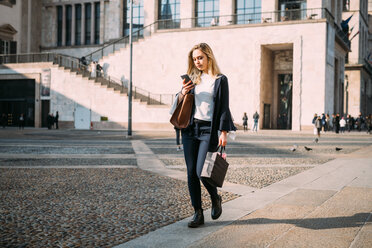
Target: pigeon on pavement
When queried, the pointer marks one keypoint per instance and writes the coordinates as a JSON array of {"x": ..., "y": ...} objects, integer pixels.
[
  {"x": 338, "y": 149},
  {"x": 293, "y": 148},
  {"x": 308, "y": 148}
]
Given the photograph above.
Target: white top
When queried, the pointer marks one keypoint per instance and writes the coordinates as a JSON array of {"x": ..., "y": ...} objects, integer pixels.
[
  {"x": 204, "y": 98},
  {"x": 342, "y": 123}
]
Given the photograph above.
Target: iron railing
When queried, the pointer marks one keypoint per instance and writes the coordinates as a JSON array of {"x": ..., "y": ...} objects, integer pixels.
[
  {"x": 224, "y": 20},
  {"x": 75, "y": 65}
]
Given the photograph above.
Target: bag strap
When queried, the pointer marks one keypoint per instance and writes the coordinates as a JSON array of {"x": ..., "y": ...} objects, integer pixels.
[{"x": 222, "y": 148}]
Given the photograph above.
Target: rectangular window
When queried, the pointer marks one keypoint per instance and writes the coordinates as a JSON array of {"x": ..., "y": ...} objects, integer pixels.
[
  {"x": 207, "y": 13},
  {"x": 78, "y": 24},
  {"x": 169, "y": 14},
  {"x": 138, "y": 18},
  {"x": 292, "y": 10},
  {"x": 68, "y": 24},
  {"x": 248, "y": 11},
  {"x": 96, "y": 23},
  {"x": 88, "y": 22},
  {"x": 59, "y": 25}
]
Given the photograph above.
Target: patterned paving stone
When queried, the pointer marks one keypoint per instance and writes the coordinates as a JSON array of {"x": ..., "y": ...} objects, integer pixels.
[{"x": 87, "y": 207}]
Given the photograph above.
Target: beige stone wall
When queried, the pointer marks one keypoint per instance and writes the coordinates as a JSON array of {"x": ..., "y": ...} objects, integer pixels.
[
  {"x": 49, "y": 26},
  {"x": 157, "y": 68},
  {"x": 12, "y": 15},
  {"x": 354, "y": 92}
]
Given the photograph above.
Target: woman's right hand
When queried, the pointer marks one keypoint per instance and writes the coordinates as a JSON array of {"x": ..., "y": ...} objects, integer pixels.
[{"x": 187, "y": 86}]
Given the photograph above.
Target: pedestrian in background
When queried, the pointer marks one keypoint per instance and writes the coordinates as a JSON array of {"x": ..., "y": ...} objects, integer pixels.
[
  {"x": 313, "y": 121},
  {"x": 256, "y": 116},
  {"x": 324, "y": 123},
  {"x": 50, "y": 121},
  {"x": 178, "y": 134},
  {"x": 245, "y": 122},
  {"x": 369, "y": 123},
  {"x": 56, "y": 119},
  {"x": 21, "y": 123},
  {"x": 318, "y": 125},
  {"x": 329, "y": 123},
  {"x": 337, "y": 123},
  {"x": 342, "y": 125},
  {"x": 210, "y": 117}
]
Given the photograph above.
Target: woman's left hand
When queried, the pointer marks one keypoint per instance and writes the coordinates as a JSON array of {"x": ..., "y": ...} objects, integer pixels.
[{"x": 223, "y": 139}]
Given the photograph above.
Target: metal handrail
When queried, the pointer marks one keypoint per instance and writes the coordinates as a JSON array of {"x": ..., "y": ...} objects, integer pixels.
[{"x": 74, "y": 64}]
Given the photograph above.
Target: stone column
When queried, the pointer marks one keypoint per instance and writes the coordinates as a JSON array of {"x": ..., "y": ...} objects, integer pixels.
[
  {"x": 187, "y": 9},
  {"x": 102, "y": 22},
  {"x": 63, "y": 25},
  {"x": 93, "y": 19},
  {"x": 73, "y": 17},
  {"x": 150, "y": 9},
  {"x": 226, "y": 11},
  {"x": 29, "y": 25},
  {"x": 82, "y": 23},
  {"x": 37, "y": 115}
]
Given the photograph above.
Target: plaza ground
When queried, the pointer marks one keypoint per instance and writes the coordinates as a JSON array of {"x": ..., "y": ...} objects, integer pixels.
[{"x": 99, "y": 188}]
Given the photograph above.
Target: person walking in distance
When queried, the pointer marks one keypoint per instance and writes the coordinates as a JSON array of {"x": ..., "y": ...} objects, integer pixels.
[
  {"x": 21, "y": 121},
  {"x": 256, "y": 116},
  {"x": 210, "y": 116},
  {"x": 178, "y": 134},
  {"x": 342, "y": 125},
  {"x": 245, "y": 122},
  {"x": 56, "y": 119},
  {"x": 318, "y": 125}
]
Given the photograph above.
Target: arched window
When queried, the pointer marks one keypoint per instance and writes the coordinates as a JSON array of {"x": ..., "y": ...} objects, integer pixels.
[
  {"x": 169, "y": 14},
  {"x": 138, "y": 17},
  {"x": 207, "y": 13},
  {"x": 248, "y": 11}
]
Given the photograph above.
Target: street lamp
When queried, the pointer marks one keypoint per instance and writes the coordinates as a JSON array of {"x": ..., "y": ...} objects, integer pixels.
[{"x": 130, "y": 70}]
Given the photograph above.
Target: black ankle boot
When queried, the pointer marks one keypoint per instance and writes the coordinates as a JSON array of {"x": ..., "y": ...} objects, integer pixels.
[
  {"x": 216, "y": 208},
  {"x": 197, "y": 220}
]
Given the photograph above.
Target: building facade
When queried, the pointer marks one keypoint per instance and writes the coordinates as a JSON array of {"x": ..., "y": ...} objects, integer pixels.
[{"x": 284, "y": 58}]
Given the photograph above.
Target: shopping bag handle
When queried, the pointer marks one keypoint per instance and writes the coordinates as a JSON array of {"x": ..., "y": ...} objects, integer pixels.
[{"x": 221, "y": 148}]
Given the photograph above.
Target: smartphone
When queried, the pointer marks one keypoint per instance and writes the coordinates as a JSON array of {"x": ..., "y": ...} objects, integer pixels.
[{"x": 187, "y": 78}]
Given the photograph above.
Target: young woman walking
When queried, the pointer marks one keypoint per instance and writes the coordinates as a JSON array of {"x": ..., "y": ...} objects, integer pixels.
[{"x": 209, "y": 123}]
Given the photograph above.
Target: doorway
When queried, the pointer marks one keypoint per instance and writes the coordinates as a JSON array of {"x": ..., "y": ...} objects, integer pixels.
[
  {"x": 285, "y": 86},
  {"x": 45, "y": 107},
  {"x": 266, "y": 121}
]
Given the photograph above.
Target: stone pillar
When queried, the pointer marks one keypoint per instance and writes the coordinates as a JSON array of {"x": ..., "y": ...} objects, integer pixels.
[
  {"x": 93, "y": 19},
  {"x": 102, "y": 22},
  {"x": 63, "y": 25},
  {"x": 37, "y": 115},
  {"x": 73, "y": 19},
  {"x": 297, "y": 100},
  {"x": 29, "y": 25},
  {"x": 150, "y": 10},
  {"x": 187, "y": 9},
  {"x": 227, "y": 8},
  {"x": 82, "y": 23}
]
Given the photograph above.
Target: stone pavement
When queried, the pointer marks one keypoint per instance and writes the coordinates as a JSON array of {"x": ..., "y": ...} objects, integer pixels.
[
  {"x": 327, "y": 206},
  {"x": 103, "y": 189}
]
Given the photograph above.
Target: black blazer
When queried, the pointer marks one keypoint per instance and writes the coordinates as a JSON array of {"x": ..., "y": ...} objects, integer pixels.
[{"x": 222, "y": 119}]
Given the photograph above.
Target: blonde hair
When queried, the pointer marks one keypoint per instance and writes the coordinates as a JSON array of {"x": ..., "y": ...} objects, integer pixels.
[{"x": 213, "y": 69}]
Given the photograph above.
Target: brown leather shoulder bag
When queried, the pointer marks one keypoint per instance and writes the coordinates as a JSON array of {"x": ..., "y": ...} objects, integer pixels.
[{"x": 181, "y": 115}]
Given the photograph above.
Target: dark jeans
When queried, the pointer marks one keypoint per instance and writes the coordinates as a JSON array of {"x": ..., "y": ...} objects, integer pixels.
[{"x": 195, "y": 141}]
